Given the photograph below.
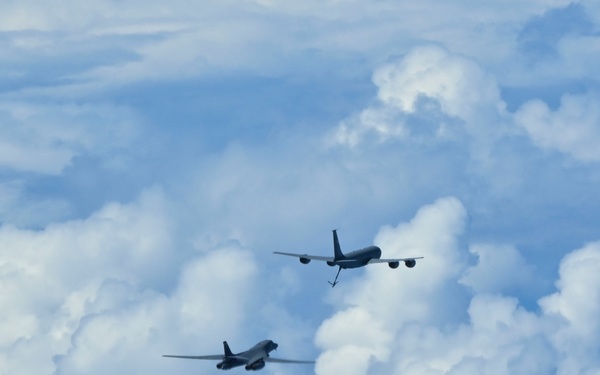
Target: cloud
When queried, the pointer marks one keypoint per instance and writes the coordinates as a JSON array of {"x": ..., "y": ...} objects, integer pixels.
[
  {"x": 376, "y": 306},
  {"x": 494, "y": 263},
  {"x": 116, "y": 293},
  {"x": 22, "y": 211},
  {"x": 576, "y": 306},
  {"x": 540, "y": 36},
  {"x": 129, "y": 334},
  {"x": 407, "y": 323},
  {"x": 45, "y": 138},
  {"x": 458, "y": 83},
  {"x": 428, "y": 79},
  {"x": 48, "y": 275},
  {"x": 572, "y": 129},
  {"x": 110, "y": 278},
  {"x": 118, "y": 241},
  {"x": 141, "y": 41}
]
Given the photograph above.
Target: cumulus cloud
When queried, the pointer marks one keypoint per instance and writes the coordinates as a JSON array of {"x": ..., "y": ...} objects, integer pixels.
[
  {"x": 459, "y": 84},
  {"x": 113, "y": 290},
  {"x": 494, "y": 263},
  {"x": 576, "y": 307},
  {"x": 406, "y": 323},
  {"x": 127, "y": 330},
  {"x": 457, "y": 95},
  {"x": 573, "y": 128},
  {"x": 376, "y": 306},
  {"x": 95, "y": 295}
]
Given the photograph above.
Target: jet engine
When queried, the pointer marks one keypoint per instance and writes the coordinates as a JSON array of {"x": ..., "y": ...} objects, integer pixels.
[
  {"x": 410, "y": 263},
  {"x": 330, "y": 263},
  {"x": 255, "y": 366},
  {"x": 394, "y": 264},
  {"x": 223, "y": 366},
  {"x": 304, "y": 260}
]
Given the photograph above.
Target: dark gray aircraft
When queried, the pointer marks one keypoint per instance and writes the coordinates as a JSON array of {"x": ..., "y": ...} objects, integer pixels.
[
  {"x": 253, "y": 359},
  {"x": 354, "y": 259}
]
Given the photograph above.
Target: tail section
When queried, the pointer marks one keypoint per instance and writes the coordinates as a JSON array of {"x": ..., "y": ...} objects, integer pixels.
[
  {"x": 228, "y": 352},
  {"x": 337, "y": 251}
]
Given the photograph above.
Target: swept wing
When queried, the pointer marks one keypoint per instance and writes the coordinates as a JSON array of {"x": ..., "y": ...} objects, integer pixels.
[
  {"x": 377, "y": 260},
  {"x": 277, "y": 360},
  {"x": 306, "y": 256},
  {"x": 214, "y": 357}
]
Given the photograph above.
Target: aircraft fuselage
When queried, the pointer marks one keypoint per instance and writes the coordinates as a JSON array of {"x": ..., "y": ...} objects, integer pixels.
[
  {"x": 357, "y": 258},
  {"x": 252, "y": 359}
]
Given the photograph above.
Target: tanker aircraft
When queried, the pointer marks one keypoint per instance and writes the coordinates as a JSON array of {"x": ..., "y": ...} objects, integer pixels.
[
  {"x": 253, "y": 359},
  {"x": 354, "y": 259}
]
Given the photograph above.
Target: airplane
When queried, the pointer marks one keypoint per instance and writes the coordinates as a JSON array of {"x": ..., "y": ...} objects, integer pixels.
[
  {"x": 253, "y": 359},
  {"x": 354, "y": 259}
]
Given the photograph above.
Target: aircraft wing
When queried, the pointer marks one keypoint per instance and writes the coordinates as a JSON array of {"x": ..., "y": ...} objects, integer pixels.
[
  {"x": 312, "y": 257},
  {"x": 214, "y": 357},
  {"x": 375, "y": 260},
  {"x": 277, "y": 360}
]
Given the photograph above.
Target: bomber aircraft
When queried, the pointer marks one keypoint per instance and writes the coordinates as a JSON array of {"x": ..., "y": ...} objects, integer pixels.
[
  {"x": 354, "y": 259},
  {"x": 253, "y": 359}
]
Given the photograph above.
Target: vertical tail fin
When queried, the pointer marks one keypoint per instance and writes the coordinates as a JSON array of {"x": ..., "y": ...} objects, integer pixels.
[
  {"x": 337, "y": 251},
  {"x": 228, "y": 352}
]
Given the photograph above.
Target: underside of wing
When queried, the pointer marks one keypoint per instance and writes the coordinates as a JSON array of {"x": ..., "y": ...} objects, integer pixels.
[
  {"x": 217, "y": 357},
  {"x": 306, "y": 256},
  {"x": 375, "y": 260},
  {"x": 277, "y": 360}
]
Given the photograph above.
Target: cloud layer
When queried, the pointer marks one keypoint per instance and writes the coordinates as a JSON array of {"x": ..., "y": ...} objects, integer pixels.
[
  {"x": 101, "y": 307},
  {"x": 406, "y": 323},
  {"x": 152, "y": 157}
]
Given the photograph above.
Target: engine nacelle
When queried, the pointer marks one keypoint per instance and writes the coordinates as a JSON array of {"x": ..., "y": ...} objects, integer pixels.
[
  {"x": 223, "y": 366},
  {"x": 255, "y": 366},
  {"x": 410, "y": 263},
  {"x": 304, "y": 260},
  {"x": 330, "y": 263},
  {"x": 394, "y": 265}
]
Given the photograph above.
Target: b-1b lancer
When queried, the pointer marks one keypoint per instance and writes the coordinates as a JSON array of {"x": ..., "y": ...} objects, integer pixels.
[
  {"x": 253, "y": 359},
  {"x": 354, "y": 259}
]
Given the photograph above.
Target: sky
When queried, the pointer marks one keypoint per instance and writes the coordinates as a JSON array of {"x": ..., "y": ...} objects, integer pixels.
[{"x": 153, "y": 156}]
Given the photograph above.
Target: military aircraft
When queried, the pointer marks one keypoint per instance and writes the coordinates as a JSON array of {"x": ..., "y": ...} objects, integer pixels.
[
  {"x": 253, "y": 359},
  {"x": 354, "y": 259}
]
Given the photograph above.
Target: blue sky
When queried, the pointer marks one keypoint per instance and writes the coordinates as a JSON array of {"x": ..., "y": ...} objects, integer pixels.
[{"x": 153, "y": 156}]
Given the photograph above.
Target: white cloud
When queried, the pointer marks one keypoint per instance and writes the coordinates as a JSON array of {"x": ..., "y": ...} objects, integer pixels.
[
  {"x": 190, "y": 40},
  {"x": 462, "y": 89},
  {"x": 384, "y": 122},
  {"x": 47, "y": 274},
  {"x": 573, "y": 128},
  {"x": 459, "y": 84},
  {"x": 93, "y": 292},
  {"x": 375, "y": 307},
  {"x": 494, "y": 263},
  {"x": 113, "y": 291},
  {"x": 576, "y": 305},
  {"x": 130, "y": 334},
  {"x": 405, "y": 323}
]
